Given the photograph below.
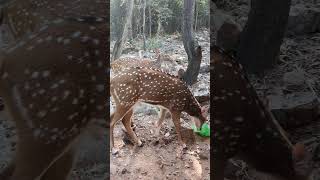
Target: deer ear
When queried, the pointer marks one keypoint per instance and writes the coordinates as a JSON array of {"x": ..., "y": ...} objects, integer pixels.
[
  {"x": 298, "y": 152},
  {"x": 157, "y": 51},
  {"x": 265, "y": 102},
  {"x": 180, "y": 73}
]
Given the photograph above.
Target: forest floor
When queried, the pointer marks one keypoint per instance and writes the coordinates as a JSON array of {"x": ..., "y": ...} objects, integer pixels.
[
  {"x": 157, "y": 159},
  {"x": 299, "y": 64}
]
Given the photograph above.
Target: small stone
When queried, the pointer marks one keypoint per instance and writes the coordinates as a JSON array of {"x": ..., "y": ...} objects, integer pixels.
[
  {"x": 124, "y": 171},
  {"x": 167, "y": 134}
]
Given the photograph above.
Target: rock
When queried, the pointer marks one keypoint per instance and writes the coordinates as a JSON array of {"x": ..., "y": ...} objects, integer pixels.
[
  {"x": 303, "y": 19},
  {"x": 203, "y": 69},
  {"x": 124, "y": 171},
  {"x": 294, "y": 78},
  {"x": 167, "y": 134},
  {"x": 203, "y": 156}
]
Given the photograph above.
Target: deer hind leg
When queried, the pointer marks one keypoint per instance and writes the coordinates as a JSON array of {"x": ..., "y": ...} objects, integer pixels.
[
  {"x": 8, "y": 171},
  {"x": 162, "y": 115},
  {"x": 219, "y": 163},
  {"x": 61, "y": 168},
  {"x": 119, "y": 113},
  {"x": 127, "y": 124},
  {"x": 34, "y": 158}
]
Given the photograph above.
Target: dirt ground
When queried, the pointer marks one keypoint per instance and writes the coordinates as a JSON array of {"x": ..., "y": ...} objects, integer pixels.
[{"x": 157, "y": 159}]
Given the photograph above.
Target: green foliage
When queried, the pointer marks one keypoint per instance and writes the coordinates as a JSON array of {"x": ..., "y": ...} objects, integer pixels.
[
  {"x": 168, "y": 12},
  {"x": 161, "y": 10},
  {"x": 154, "y": 43},
  {"x": 117, "y": 16},
  {"x": 204, "y": 13}
]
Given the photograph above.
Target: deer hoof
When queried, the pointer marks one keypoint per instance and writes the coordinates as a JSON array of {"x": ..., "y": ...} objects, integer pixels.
[
  {"x": 114, "y": 151},
  {"x": 140, "y": 144}
]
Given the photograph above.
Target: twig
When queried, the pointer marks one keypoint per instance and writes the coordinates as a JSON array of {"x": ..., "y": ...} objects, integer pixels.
[{"x": 313, "y": 91}]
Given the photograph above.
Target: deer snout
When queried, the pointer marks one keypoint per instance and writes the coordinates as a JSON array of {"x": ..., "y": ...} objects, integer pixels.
[
  {"x": 204, "y": 113},
  {"x": 199, "y": 121}
]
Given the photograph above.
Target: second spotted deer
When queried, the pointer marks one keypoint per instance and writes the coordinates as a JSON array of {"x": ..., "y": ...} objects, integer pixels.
[
  {"x": 123, "y": 63},
  {"x": 141, "y": 84},
  {"x": 243, "y": 127}
]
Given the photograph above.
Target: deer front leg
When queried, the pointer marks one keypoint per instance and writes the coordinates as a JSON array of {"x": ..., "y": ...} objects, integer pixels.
[
  {"x": 62, "y": 167},
  {"x": 177, "y": 124},
  {"x": 176, "y": 121}
]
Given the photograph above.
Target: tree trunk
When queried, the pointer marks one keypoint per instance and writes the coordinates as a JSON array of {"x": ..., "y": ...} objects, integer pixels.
[
  {"x": 263, "y": 34},
  {"x": 116, "y": 28},
  {"x": 196, "y": 18},
  {"x": 190, "y": 45},
  {"x": 117, "y": 50},
  {"x": 144, "y": 23},
  {"x": 150, "y": 18},
  {"x": 133, "y": 25},
  {"x": 159, "y": 27}
]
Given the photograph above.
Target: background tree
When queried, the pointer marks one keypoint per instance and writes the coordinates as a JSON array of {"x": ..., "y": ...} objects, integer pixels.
[
  {"x": 151, "y": 18},
  {"x": 144, "y": 4},
  {"x": 190, "y": 45},
  {"x": 263, "y": 34},
  {"x": 121, "y": 39}
]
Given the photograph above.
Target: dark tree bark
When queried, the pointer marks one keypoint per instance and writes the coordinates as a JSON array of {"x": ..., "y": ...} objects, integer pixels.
[
  {"x": 190, "y": 45},
  {"x": 263, "y": 34},
  {"x": 117, "y": 50}
]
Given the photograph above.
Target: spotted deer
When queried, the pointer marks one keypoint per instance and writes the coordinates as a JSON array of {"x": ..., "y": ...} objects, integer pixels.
[
  {"x": 141, "y": 84},
  {"x": 121, "y": 64},
  {"x": 244, "y": 128},
  {"x": 53, "y": 83}
]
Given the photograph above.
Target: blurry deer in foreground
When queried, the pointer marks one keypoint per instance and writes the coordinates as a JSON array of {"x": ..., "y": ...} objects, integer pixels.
[
  {"x": 140, "y": 84},
  {"x": 23, "y": 17},
  {"x": 53, "y": 83}
]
